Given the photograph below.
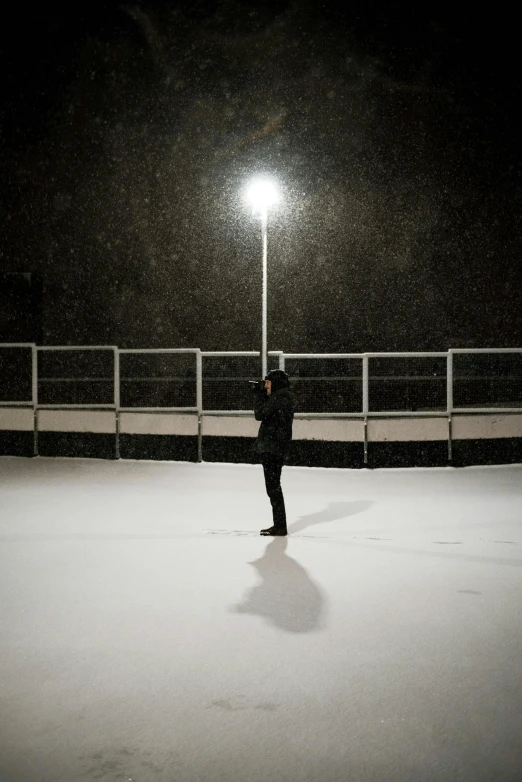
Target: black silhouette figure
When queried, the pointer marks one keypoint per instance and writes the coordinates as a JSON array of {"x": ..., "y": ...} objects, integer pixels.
[{"x": 274, "y": 407}]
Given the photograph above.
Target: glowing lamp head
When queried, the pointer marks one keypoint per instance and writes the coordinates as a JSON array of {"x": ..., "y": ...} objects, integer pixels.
[{"x": 262, "y": 194}]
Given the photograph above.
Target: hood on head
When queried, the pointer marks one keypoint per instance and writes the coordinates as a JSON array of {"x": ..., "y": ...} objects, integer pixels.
[{"x": 279, "y": 379}]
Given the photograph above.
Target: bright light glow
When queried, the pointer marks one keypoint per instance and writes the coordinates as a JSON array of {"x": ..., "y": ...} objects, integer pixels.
[{"x": 262, "y": 194}]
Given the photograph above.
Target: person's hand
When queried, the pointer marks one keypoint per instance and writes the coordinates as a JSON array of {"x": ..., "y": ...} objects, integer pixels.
[{"x": 268, "y": 386}]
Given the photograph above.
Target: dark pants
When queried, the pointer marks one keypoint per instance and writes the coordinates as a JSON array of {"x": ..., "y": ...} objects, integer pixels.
[{"x": 272, "y": 466}]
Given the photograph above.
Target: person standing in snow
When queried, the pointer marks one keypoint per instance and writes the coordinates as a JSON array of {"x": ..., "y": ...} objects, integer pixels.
[{"x": 274, "y": 407}]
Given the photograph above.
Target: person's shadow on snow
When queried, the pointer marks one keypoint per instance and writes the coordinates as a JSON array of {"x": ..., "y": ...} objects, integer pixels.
[
  {"x": 333, "y": 512},
  {"x": 287, "y": 596}
]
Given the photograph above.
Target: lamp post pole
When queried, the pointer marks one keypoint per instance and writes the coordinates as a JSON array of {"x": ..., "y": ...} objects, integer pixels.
[
  {"x": 262, "y": 194},
  {"x": 264, "y": 220}
]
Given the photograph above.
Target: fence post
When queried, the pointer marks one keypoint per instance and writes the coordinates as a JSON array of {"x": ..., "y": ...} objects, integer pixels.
[
  {"x": 199, "y": 401},
  {"x": 34, "y": 394},
  {"x": 117, "y": 399},
  {"x": 449, "y": 400},
  {"x": 365, "y": 400}
]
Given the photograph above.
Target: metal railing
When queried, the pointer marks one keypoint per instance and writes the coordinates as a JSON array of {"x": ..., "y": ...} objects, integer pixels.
[{"x": 325, "y": 385}]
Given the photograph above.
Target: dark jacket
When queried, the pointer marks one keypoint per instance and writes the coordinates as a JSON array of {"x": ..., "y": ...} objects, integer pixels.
[{"x": 276, "y": 413}]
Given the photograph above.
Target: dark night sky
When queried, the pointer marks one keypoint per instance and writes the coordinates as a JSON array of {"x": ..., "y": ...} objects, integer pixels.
[{"x": 130, "y": 129}]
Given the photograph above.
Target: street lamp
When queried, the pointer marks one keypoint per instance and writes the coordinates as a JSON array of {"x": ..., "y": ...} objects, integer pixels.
[{"x": 262, "y": 194}]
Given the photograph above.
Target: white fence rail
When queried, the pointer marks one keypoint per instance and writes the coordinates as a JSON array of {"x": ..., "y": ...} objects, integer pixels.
[{"x": 326, "y": 385}]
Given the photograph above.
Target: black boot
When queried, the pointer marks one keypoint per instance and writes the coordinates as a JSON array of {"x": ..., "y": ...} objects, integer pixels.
[{"x": 274, "y": 531}]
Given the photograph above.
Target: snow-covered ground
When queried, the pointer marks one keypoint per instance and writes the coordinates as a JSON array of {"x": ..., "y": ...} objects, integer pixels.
[{"x": 380, "y": 641}]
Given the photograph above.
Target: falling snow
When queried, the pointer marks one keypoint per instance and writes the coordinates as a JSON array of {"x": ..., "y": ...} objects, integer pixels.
[{"x": 130, "y": 132}]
